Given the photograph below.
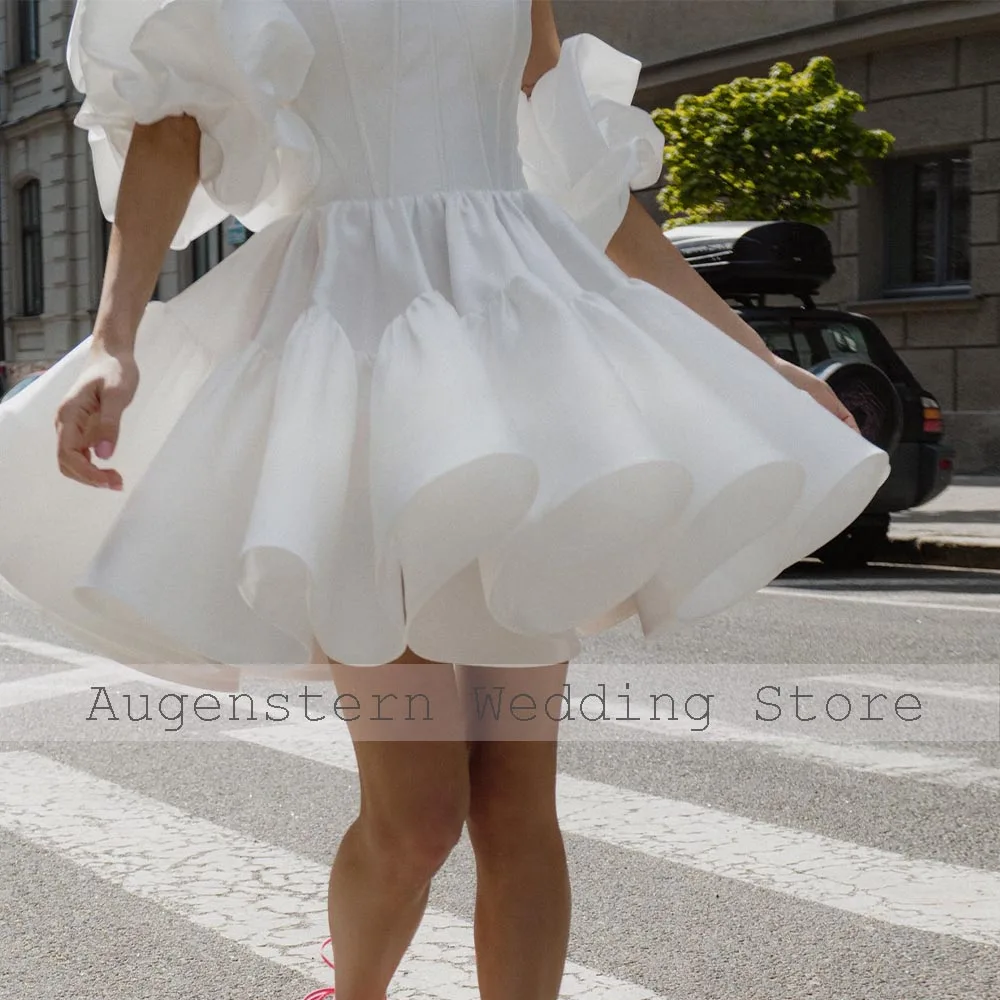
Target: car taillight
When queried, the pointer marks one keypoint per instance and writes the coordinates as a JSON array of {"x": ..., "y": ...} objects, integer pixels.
[{"x": 932, "y": 415}]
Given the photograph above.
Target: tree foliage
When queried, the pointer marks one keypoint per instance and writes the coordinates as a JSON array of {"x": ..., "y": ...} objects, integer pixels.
[{"x": 774, "y": 147}]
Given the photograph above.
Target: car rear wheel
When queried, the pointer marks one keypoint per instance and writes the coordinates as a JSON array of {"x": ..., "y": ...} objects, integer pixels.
[
  {"x": 854, "y": 548},
  {"x": 870, "y": 396}
]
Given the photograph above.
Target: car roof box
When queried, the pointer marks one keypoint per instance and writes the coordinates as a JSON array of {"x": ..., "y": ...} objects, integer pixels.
[{"x": 744, "y": 258}]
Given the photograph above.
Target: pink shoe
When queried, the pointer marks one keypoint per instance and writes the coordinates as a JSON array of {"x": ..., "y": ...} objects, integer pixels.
[{"x": 324, "y": 993}]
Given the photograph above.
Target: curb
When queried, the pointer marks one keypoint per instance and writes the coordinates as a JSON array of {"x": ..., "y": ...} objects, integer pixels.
[{"x": 959, "y": 553}]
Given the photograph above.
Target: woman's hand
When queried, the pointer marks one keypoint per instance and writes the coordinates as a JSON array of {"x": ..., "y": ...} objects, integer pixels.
[
  {"x": 160, "y": 174},
  {"x": 816, "y": 388},
  {"x": 90, "y": 415}
]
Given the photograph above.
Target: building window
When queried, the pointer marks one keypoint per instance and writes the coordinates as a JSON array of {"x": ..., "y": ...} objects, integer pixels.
[
  {"x": 3, "y": 319},
  {"x": 30, "y": 218},
  {"x": 206, "y": 252},
  {"x": 927, "y": 224},
  {"x": 27, "y": 31}
]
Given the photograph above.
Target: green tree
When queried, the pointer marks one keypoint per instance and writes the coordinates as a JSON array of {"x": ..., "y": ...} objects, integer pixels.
[{"x": 774, "y": 147}]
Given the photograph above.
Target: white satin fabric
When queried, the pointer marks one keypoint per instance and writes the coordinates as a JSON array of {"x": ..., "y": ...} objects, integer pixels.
[{"x": 420, "y": 407}]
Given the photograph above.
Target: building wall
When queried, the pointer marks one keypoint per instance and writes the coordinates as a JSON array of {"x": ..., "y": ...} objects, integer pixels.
[
  {"x": 690, "y": 44},
  {"x": 38, "y": 140},
  {"x": 935, "y": 96},
  {"x": 657, "y": 31},
  {"x": 930, "y": 75},
  {"x": 37, "y": 143}
]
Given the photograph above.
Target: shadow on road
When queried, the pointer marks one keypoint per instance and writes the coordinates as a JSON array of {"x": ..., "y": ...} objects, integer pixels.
[
  {"x": 889, "y": 579},
  {"x": 948, "y": 517}
]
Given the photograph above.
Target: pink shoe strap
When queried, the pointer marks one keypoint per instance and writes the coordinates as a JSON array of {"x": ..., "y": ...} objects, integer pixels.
[{"x": 324, "y": 992}]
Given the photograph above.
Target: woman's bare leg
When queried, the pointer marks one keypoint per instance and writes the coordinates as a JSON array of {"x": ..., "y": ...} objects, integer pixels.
[
  {"x": 414, "y": 802},
  {"x": 523, "y": 893}
]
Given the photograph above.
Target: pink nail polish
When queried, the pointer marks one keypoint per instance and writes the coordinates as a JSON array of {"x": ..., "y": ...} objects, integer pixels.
[{"x": 104, "y": 449}]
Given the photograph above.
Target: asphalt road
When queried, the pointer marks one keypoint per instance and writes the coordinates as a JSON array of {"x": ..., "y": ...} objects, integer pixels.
[{"x": 746, "y": 845}]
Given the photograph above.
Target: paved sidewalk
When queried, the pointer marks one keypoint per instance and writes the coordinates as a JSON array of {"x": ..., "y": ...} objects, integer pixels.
[{"x": 961, "y": 527}]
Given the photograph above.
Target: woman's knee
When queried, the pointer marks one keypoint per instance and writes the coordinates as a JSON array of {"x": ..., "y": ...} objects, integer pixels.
[
  {"x": 414, "y": 803},
  {"x": 512, "y": 770},
  {"x": 512, "y": 797},
  {"x": 498, "y": 824},
  {"x": 414, "y": 839}
]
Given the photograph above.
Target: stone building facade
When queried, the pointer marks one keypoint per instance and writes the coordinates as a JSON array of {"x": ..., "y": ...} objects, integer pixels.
[
  {"x": 919, "y": 249},
  {"x": 53, "y": 237}
]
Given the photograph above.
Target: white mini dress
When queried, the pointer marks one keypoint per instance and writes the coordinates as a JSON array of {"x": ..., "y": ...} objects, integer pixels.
[{"x": 420, "y": 406}]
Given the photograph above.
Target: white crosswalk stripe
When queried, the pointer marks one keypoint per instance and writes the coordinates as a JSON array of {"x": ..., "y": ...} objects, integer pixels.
[
  {"x": 272, "y": 900},
  {"x": 43, "y": 687},
  {"x": 989, "y": 695},
  {"x": 878, "y": 601},
  {"x": 51, "y": 651},
  {"x": 954, "y": 771},
  {"x": 929, "y": 896},
  {"x": 256, "y": 894}
]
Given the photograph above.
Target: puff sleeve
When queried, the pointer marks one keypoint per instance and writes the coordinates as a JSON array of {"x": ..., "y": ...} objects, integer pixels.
[
  {"x": 581, "y": 141},
  {"x": 235, "y": 67}
]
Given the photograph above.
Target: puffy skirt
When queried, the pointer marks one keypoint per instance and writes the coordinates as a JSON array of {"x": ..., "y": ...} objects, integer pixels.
[{"x": 444, "y": 422}]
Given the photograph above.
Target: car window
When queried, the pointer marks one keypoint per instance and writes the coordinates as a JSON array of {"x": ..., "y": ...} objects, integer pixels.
[
  {"x": 844, "y": 340},
  {"x": 841, "y": 340},
  {"x": 809, "y": 341},
  {"x": 779, "y": 338},
  {"x": 804, "y": 350}
]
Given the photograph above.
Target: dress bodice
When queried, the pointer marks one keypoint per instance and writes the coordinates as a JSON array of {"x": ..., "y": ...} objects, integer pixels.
[
  {"x": 413, "y": 96},
  {"x": 306, "y": 102}
]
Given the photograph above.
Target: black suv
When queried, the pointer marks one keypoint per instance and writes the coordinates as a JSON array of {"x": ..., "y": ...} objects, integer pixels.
[{"x": 747, "y": 261}]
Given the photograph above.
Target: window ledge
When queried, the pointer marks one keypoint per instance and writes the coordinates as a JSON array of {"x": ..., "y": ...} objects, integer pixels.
[
  {"x": 16, "y": 73},
  {"x": 918, "y": 303}
]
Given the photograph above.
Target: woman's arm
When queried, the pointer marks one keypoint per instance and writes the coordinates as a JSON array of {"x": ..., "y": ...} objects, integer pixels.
[
  {"x": 641, "y": 250},
  {"x": 545, "y": 45},
  {"x": 160, "y": 174},
  {"x": 639, "y": 247}
]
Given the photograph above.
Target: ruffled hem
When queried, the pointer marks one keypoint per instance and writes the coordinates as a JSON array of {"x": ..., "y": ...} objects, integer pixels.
[
  {"x": 581, "y": 141},
  {"x": 235, "y": 67},
  {"x": 483, "y": 459}
]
